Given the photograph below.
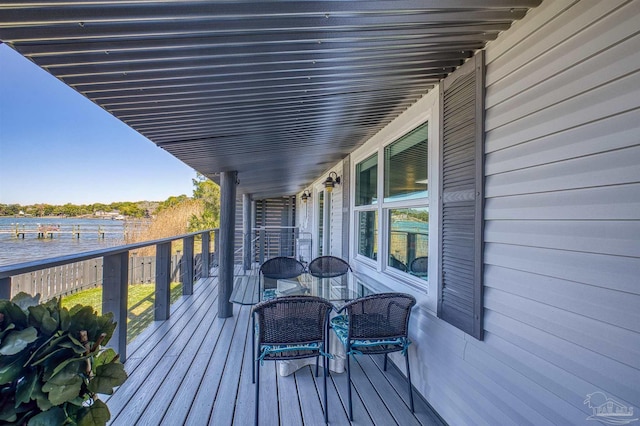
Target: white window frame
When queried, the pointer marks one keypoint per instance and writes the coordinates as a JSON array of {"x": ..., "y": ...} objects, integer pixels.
[{"x": 424, "y": 111}]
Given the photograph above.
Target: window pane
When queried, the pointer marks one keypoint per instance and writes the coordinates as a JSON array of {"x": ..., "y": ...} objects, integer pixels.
[
  {"x": 409, "y": 240},
  {"x": 405, "y": 166},
  {"x": 367, "y": 181},
  {"x": 368, "y": 234}
]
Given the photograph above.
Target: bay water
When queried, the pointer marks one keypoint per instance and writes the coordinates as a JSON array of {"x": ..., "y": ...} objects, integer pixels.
[{"x": 17, "y": 249}]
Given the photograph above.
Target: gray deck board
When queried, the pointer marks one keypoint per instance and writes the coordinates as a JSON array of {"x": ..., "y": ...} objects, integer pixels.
[{"x": 195, "y": 369}]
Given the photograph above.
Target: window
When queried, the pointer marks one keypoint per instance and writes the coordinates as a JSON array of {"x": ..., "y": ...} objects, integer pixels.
[
  {"x": 405, "y": 167},
  {"x": 367, "y": 181},
  {"x": 368, "y": 233},
  {"x": 409, "y": 240},
  {"x": 404, "y": 237}
]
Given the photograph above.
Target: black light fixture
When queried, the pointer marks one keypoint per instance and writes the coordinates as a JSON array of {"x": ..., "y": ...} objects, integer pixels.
[
  {"x": 305, "y": 196},
  {"x": 330, "y": 183}
]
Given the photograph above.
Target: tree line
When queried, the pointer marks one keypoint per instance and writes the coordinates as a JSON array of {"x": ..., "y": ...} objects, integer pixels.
[
  {"x": 205, "y": 192},
  {"x": 126, "y": 208}
]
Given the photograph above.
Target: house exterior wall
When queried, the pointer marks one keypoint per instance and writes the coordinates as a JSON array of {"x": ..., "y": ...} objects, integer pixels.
[
  {"x": 562, "y": 227},
  {"x": 307, "y": 214}
]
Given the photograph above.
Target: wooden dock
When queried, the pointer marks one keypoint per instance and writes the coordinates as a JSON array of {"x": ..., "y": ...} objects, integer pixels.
[
  {"x": 195, "y": 369},
  {"x": 50, "y": 231}
]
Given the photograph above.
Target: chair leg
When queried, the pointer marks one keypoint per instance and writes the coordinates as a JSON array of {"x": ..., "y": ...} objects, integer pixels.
[
  {"x": 325, "y": 364},
  {"x": 349, "y": 386},
  {"x": 317, "y": 362},
  {"x": 253, "y": 348},
  {"x": 385, "y": 362},
  {"x": 257, "y": 367},
  {"x": 406, "y": 357}
]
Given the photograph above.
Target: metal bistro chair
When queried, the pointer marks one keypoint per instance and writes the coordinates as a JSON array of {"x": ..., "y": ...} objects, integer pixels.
[
  {"x": 328, "y": 267},
  {"x": 375, "y": 324},
  {"x": 277, "y": 268},
  {"x": 291, "y": 327},
  {"x": 419, "y": 266}
]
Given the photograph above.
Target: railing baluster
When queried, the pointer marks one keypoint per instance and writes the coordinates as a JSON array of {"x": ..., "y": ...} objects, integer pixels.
[
  {"x": 206, "y": 242},
  {"x": 187, "y": 265},
  {"x": 163, "y": 281},
  {"x": 5, "y": 288},
  {"x": 115, "y": 271}
]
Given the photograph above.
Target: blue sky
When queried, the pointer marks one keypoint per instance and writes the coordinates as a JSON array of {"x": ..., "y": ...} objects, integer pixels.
[{"x": 58, "y": 147}]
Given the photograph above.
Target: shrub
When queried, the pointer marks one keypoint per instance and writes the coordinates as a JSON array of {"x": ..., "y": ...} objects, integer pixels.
[{"x": 53, "y": 365}]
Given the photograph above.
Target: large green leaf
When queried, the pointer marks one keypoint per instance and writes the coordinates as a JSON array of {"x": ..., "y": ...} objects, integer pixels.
[
  {"x": 11, "y": 367},
  {"x": 16, "y": 341},
  {"x": 74, "y": 344},
  {"x": 65, "y": 385},
  {"x": 54, "y": 416},
  {"x": 25, "y": 387},
  {"x": 106, "y": 325},
  {"x": 41, "y": 398},
  {"x": 96, "y": 415},
  {"x": 6, "y": 330},
  {"x": 12, "y": 314},
  {"x": 84, "y": 319},
  {"x": 65, "y": 319},
  {"x": 40, "y": 317},
  {"x": 107, "y": 377},
  {"x": 24, "y": 300},
  {"x": 8, "y": 414},
  {"x": 105, "y": 357}
]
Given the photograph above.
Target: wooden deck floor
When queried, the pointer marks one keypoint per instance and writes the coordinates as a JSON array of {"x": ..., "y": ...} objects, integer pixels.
[{"x": 195, "y": 369}]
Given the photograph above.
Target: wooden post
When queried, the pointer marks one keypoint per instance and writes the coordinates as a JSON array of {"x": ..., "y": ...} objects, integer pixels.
[
  {"x": 187, "y": 265},
  {"x": 227, "y": 230},
  {"x": 206, "y": 243},
  {"x": 5, "y": 288},
  {"x": 246, "y": 231},
  {"x": 115, "y": 270},
  {"x": 163, "y": 281}
]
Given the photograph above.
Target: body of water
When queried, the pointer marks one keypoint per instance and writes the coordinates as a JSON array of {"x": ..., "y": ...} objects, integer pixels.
[{"x": 18, "y": 250}]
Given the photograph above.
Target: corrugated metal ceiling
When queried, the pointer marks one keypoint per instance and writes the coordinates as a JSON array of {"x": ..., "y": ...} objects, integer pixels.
[{"x": 277, "y": 90}]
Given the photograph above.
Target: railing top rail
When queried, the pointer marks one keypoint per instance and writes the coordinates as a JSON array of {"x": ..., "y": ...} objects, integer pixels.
[{"x": 34, "y": 265}]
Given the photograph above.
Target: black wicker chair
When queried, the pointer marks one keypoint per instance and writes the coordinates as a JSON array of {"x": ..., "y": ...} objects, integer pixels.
[
  {"x": 328, "y": 267},
  {"x": 375, "y": 324},
  {"x": 291, "y": 327},
  {"x": 277, "y": 268},
  {"x": 420, "y": 266}
]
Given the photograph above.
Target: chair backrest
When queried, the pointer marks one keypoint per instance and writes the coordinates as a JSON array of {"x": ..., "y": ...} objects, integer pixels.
[
  {"x": 328, "y": 266},
  {"x": 379, "y": 316},
  {"x": 394, "y": 262},
  {"x": 282, "y": 267},
  {"x": 419, "y": 265},
  {"x": 292, "y": 319}
]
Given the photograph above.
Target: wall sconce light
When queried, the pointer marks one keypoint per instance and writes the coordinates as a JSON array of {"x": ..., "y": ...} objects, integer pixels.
[
  {"x": 330, "y": 183},
  {"x": 305, "y": 196}
]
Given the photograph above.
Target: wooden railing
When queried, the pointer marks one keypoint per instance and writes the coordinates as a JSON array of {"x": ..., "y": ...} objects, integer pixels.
[{"x": 115, "y": 276}]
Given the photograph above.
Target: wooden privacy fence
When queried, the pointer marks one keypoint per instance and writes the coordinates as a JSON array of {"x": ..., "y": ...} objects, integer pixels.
[{"x": 73, "y": 277}]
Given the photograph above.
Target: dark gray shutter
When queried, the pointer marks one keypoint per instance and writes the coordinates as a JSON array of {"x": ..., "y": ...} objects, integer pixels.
[{"x": 461, "y": 201}]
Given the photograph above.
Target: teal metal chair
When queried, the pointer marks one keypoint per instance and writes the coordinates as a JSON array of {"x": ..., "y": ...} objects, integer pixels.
[
  {"x": 375, "y": 324},
  {"x": 277, "y": 268},
  {"x": 287, "y": 328},
  {"x": 328, "y": 267}
]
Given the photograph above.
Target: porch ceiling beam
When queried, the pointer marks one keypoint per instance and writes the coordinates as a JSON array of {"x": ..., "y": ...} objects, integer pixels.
[
  {"x": 255, "y": 86},
  {"x": 58, "y": 11}
]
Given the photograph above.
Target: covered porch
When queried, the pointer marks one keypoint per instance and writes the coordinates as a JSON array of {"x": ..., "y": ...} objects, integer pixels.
[{"x": 195, "y": 368}]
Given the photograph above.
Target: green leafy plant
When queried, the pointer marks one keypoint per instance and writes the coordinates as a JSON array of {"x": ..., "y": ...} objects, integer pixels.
[{"x": 53, "y": 365}]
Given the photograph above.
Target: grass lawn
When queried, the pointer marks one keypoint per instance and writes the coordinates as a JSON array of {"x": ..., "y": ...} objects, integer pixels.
[{"x": 140, "y": 306}]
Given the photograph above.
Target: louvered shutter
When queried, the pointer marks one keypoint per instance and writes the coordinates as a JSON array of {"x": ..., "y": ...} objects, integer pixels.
[{"x": 461, "y": 201}]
